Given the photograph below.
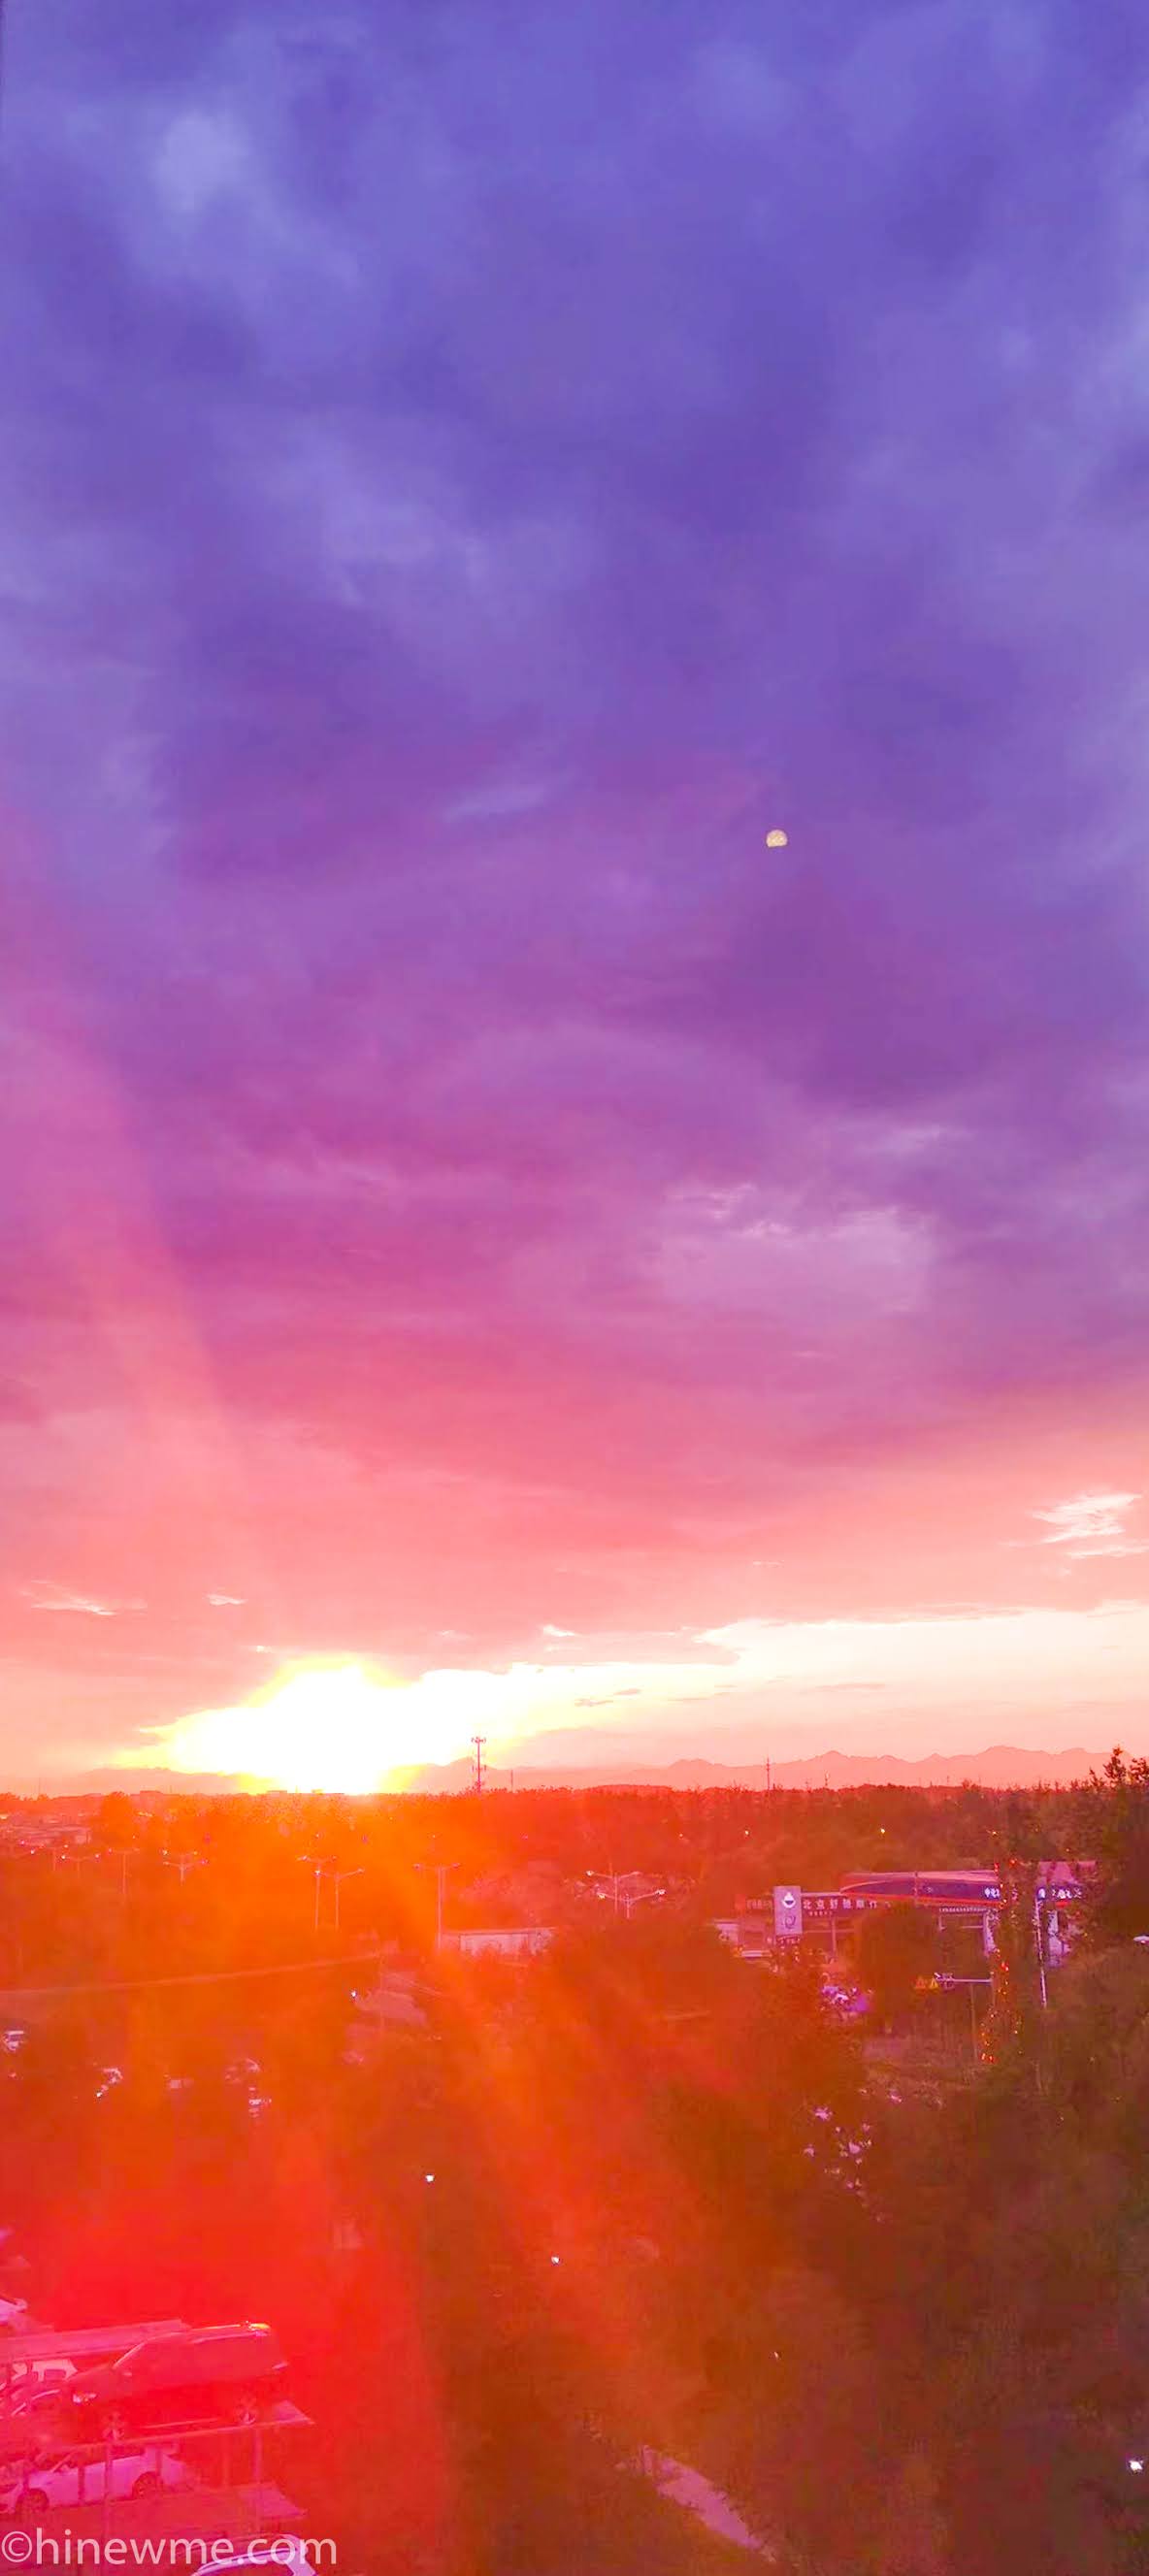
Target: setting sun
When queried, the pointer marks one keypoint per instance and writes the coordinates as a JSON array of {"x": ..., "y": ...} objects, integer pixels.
[{"x": 342, "y": 1726}]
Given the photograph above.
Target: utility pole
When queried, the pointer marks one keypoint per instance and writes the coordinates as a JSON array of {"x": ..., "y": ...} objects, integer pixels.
[
  {"x": 440, "y": 1870},
  {"x": 478, "y": 1741}
]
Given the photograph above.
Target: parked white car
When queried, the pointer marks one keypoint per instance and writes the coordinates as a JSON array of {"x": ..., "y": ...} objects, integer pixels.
[{"x": 137, "y": 2473}]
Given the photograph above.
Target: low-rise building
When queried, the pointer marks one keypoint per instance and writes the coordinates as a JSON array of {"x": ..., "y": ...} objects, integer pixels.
[{"x": 515, "y": 1941}]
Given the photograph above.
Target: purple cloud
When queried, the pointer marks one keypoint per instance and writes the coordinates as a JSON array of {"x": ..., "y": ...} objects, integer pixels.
[{"x": 461, "y": 495}]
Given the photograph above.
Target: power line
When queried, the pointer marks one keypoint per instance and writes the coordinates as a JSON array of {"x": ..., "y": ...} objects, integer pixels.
[{"x": 199, "y": 1977}]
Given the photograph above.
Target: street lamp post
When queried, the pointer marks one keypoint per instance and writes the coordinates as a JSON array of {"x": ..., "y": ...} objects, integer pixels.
[
  {"x": 339, "y": 1876},
  {"x": 318, "y": 1867},
  {"x": 613, "y": 1879},
  {"x": 626, "y": 1898},
  {"x": 1039, "y": 1937}
]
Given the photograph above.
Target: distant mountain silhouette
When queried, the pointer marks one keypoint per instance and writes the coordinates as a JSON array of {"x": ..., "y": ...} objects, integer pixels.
[{"x": 999, "y": 1766}]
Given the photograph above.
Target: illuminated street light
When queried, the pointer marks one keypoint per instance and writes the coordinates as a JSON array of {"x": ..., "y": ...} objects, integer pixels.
[{"x": 326, "y": 1869}]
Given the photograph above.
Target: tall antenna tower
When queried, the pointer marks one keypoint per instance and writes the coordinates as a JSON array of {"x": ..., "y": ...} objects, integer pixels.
[{"x": 478, "y": 1774}]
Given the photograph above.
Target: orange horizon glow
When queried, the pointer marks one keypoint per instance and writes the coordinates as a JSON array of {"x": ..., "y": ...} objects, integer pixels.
[{"x": 353, "y": 1726}]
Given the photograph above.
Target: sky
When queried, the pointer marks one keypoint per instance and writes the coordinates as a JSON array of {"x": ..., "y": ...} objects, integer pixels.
[{"x": 490, "y": 1236}]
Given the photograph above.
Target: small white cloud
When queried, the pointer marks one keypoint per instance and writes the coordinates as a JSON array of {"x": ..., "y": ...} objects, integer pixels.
[
  {"x": 226, "y": 1600},
  {"x": 201, "y": 158},
  {"x": 548, "y": 1631},
  {"x": 53, "y": 1596},
  {"x": 1092, "y": 1525}
]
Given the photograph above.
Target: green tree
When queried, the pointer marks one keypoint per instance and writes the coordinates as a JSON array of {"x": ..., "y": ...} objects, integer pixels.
[
  {"x": 1113, "y": 1814},
  {"x": 117, "y": 1821},
  {"x": 895, "y": 1948},
  {"x": 1012, "y": 2027}
]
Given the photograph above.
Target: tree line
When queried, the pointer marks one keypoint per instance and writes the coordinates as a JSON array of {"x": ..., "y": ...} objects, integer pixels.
[{"x": 636, "y": 2195}]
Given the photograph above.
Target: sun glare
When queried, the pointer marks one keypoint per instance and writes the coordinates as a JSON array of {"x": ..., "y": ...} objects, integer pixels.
[{"x": 328, "y": 1726}]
